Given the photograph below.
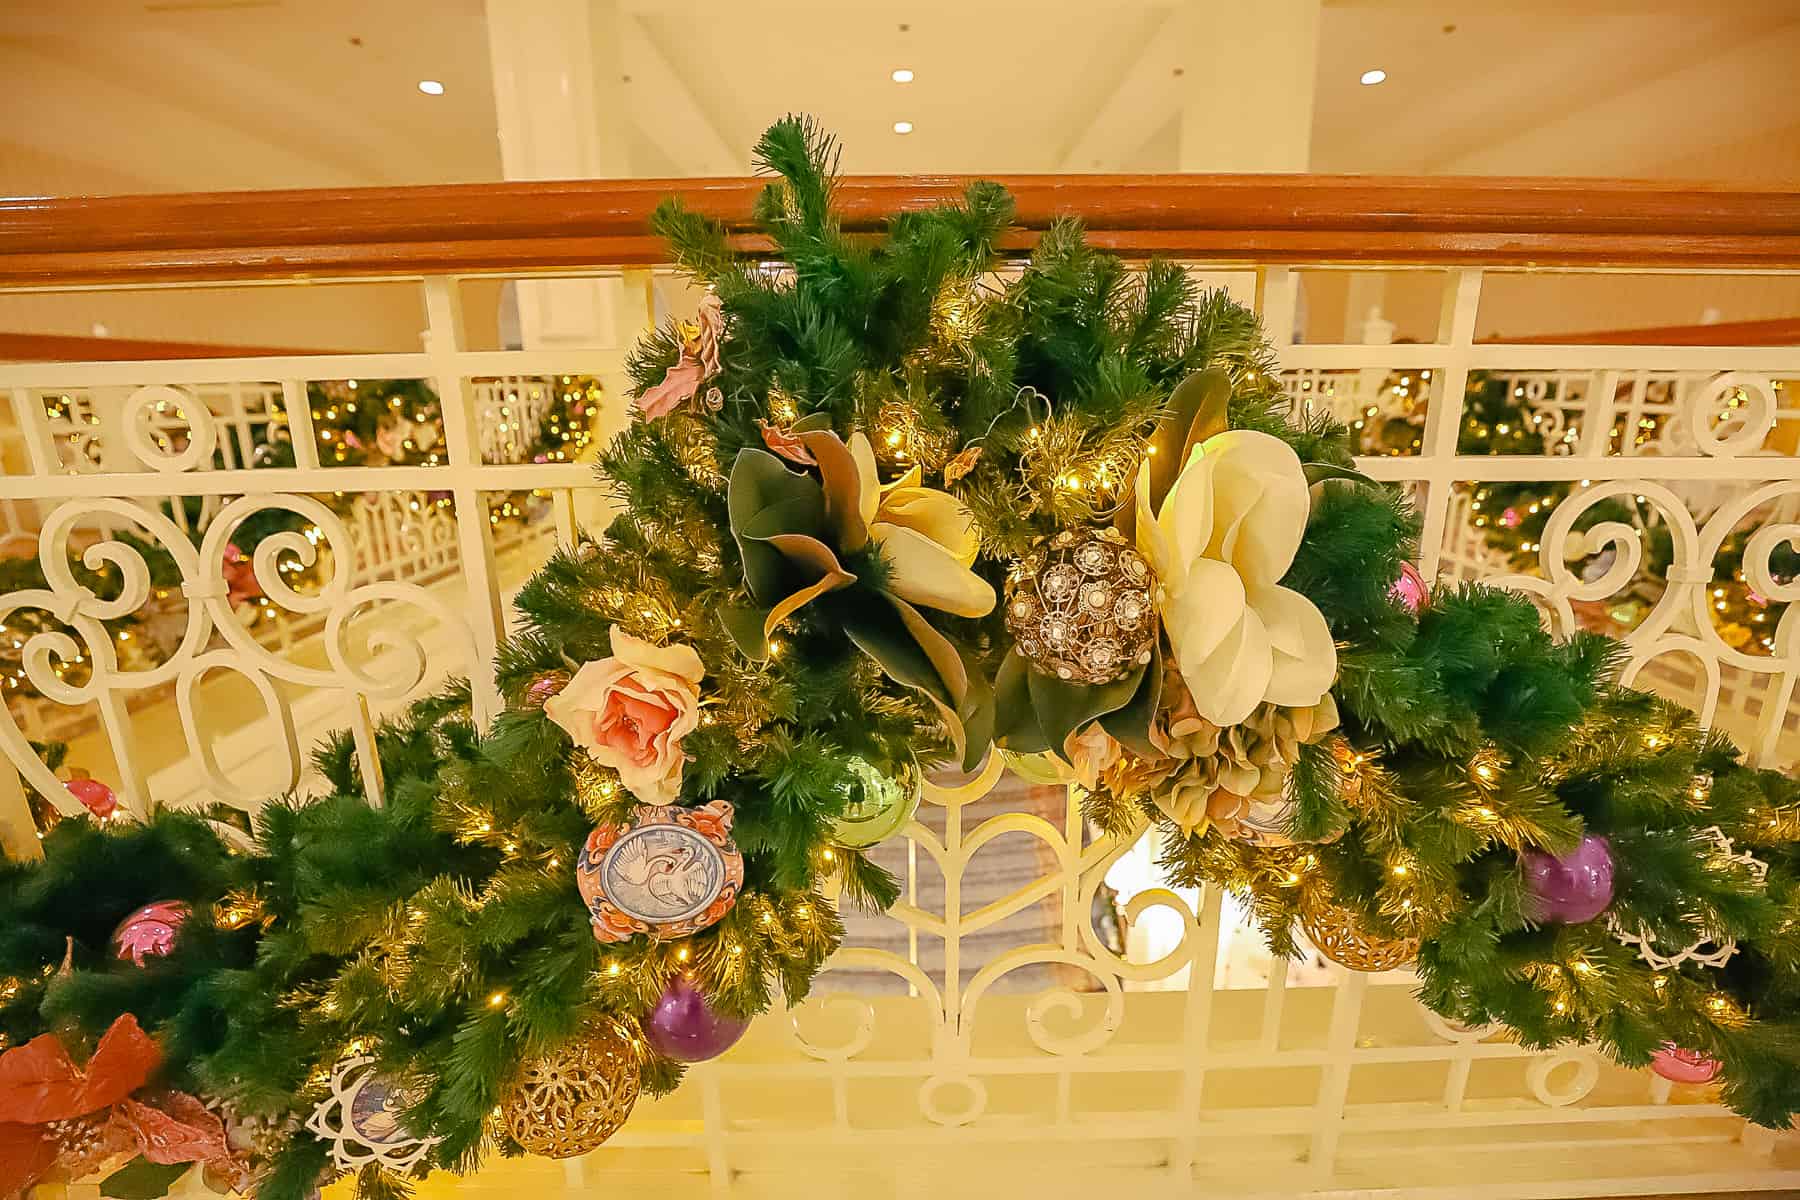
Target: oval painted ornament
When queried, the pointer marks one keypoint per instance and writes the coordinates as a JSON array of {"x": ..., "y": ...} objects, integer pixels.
[{"x": 668, "y": 872}]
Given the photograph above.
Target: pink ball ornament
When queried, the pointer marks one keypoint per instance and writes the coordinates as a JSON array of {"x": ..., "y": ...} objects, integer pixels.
[
  {"x": 95, "y": 796},
  {"x": 1410, "y": 589},
  {"x": 1684, "y": 1066},
  {"x": 149, "y": 932},
  {"x": 1512, "y": 518},
  {"x": 684, "y": 1027},
  {"x": 544, "y": 687},
  {"x": 1572, "y": 889}
]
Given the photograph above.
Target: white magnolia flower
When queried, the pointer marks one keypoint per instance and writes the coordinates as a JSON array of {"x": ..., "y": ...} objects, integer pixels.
[{"x": 1226, "y": 534}]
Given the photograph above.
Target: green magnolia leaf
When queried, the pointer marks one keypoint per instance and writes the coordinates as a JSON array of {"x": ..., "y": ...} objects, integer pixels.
[
  {"x": 890, "y": 633},
  {"x": 1130, "y": 725},
  {"x": 1197, "y": 411},
  {"x": 1063, "y": 707},
  {"x": 1015, "y": 722},
  {"x": 977, "y": 713},
  {"x": 812, "y": 423},
  {"x": 745, "y": 625},
  {"x": 1318, "y": 471},
  {"x": 141, "y": 1179},
  {"x": 763, "y": 499},
  {"x": 878, "y": 631}
]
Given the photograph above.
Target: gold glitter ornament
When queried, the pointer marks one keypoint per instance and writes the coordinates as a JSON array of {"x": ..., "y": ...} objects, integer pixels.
[
  {"x": 1081, "y": 606},
  {"x": 569, "y": 1103},
  {"x": 1335, "y": 930}
]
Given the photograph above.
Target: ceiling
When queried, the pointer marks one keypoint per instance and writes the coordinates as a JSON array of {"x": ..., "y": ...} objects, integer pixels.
[{"x": 159, "y": 95}]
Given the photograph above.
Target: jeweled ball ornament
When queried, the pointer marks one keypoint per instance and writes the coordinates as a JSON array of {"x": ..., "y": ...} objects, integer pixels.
[
  {"x": 149, "y": 932},
  {"x": 1573, "y": 888},
  {"x": 686, "y": 1027},
  {"x": 567, "y": 1104},
  {"x": 1081, "y": 606}
]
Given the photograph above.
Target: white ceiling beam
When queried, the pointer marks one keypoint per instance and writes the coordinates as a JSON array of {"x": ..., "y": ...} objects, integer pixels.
[
  {"x": 1146, "y": 95},
  {"x": 667, "y": 111}
]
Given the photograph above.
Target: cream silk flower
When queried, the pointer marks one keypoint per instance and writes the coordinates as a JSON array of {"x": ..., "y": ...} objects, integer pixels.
[
  {"x": 926, "y": 535},
  {"x": 1227, "y": 532}
]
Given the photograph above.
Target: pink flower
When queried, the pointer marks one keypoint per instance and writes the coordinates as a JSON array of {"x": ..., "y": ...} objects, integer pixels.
[
  {"x": 699, "y": 360},
  {"x": 631, "y": 710},
  {"x": 391, "y": 435},
  {"x": 677, "y": 387},
  {"x": 785, "y": 444},
  {"x": 240, "y": 576}
]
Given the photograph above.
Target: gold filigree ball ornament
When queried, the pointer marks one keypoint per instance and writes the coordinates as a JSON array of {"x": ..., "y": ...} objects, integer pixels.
[
  {"x": 1081, "y": 606},
  {"x": 568, "y": 1103},
  {"x": 1339, "y": 936}
]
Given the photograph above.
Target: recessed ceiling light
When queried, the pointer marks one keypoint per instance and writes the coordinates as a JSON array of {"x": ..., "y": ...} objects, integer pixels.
[
  {"x": 902, "y": 126},
  {"x": 903, "y": 75},
  {"x": 1371, "y": 78},
  {"x": 431, "y": 87}
]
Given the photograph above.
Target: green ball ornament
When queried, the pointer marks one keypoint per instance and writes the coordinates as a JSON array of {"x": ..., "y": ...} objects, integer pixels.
[{"x": 880, "y": 805}]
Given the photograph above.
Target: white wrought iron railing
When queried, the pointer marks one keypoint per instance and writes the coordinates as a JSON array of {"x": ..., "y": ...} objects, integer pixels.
[{"x": 1011, "y": 1020}]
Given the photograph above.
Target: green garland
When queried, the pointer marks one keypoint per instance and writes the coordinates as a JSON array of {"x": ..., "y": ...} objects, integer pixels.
[{"x": 443, "y": 934}]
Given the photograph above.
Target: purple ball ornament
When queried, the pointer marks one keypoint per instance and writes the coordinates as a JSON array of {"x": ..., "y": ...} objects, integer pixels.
[
  {"x": 1572, "y": 889},
  {"x": 684, "y": 1027},
  {"x": 1410, "y": 589}
]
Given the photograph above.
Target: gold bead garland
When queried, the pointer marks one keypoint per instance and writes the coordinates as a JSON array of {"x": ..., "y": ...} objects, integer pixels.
[{"x": 569, "y": 1103}]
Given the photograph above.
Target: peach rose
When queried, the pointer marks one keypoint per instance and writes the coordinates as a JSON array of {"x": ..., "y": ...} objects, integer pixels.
[{"x": 631, "y": 710}]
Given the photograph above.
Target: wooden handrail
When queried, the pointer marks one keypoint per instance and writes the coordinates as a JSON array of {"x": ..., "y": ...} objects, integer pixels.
[
  {"x": 1215, "y": 218},
  {"x": 1776, "y": 331},
  {"x": 65, "y": 347}
]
